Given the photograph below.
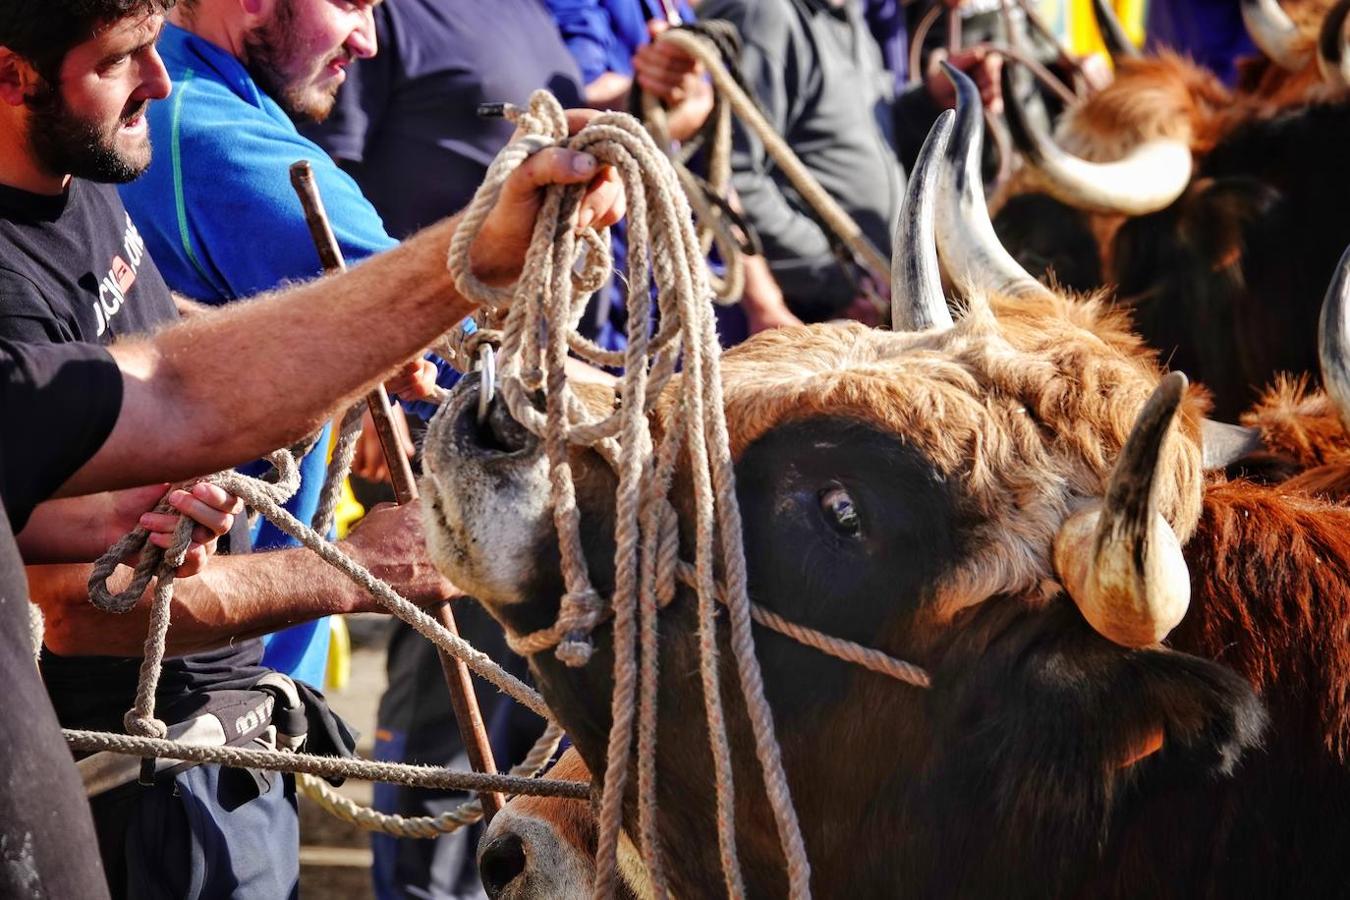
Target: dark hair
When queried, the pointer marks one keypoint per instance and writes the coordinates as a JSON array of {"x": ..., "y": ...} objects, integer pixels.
[{"x": 44, "y": 31}]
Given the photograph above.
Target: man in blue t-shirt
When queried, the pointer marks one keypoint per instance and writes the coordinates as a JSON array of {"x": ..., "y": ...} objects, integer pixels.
[{"x": 216, "y": 207}]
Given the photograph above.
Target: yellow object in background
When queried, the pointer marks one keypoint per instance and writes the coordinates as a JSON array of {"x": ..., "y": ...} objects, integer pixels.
[
  {"x": 1075, "y": 23},
  {"x": 338, "y": 673},
  {"x": 349, "y": 511}
]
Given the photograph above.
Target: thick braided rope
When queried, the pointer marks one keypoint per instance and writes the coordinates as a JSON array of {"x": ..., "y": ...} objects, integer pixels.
[
  {"x": 390, "y": 599},
  {"x": 826, "y": 207},
  {"x": 548, "y": 302},
  {"x": 431, "y": 777},
  {"x": 323, "y": 794},
  {"x": 161, "y": 565},
  {"x": 266, "y": 498},
  {"x": 339, "y": 466}
]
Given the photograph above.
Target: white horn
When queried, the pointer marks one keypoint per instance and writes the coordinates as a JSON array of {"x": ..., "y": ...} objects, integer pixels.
[
  {"x": 1333, "y": 49},
  {"x": 971, "y": 253},
  {"x": 1333, "y": 340},
  {"x": 1274, "y": 32},
  {"x": 1120, "y": 561},
  {"x": 917, "y": 301},
  {"x": 1146, "y": 180}
]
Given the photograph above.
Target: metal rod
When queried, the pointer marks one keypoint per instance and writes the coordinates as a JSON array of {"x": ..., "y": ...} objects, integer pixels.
[{"x": 462, "y": 697}]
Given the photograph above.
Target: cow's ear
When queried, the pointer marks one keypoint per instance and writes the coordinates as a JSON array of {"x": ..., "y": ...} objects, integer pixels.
[{"x": 1060, "y": 708}]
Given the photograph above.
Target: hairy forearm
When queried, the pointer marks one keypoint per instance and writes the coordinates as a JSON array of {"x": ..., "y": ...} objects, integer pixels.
[
  {"x": 69, "y": 530},
  {"x": 234, "y": 598},
  {"x": 303, "y": 354},
  {"x": 237, "y": 597}
]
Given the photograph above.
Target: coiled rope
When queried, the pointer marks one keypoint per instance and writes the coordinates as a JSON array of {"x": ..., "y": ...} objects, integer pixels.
[{"x": 146, "y": 733}]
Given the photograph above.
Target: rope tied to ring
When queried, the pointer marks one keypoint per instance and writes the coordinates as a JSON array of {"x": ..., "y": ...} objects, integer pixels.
[{"x": 543, "y": 309}]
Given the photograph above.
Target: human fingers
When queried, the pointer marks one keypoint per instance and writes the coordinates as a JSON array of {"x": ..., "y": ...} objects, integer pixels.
[
  {"x": 159, "y": 523},
  {"x": 664, "y": 59},
  {"x": 416, "y": 381},
  {"x": 604, "y": 202},
  {"x": 164, "y": 539},
  {"x": 195, "y": 560},
  {"x": 578, "y": 119},
  {"x": 670, "y": 88},
  {"x": 216, "y": 496},
  {"x": 214, "y": 519}
]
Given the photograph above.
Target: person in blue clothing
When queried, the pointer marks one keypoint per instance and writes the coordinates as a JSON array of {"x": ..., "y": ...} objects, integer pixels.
[
  {"x": 1209, "y": 31},
  {"x": 216, "y": 207},
  {"x": 605, "y": 37}
]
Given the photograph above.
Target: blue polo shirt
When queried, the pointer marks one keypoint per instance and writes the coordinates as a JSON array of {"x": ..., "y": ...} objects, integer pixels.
[{"x": 222, "y": 222}]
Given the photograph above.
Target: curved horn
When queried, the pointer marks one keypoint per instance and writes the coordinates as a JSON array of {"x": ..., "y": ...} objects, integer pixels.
[
  {"x": 1274, "y": 32},
  {"x": 917, "y": 301},
  {"x": 1120, "y": 561},
  {"x": 1117, "y": 42},
  {"x": 970, "y": 250},
  {"x": 1146, "y": 180},
  {"x": 1333, "y": 49},
  {"x": 1333, "y": 340}
]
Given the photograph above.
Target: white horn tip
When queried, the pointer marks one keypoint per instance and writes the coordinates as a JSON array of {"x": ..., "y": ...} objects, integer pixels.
[{"x": 1130, "y": 606}]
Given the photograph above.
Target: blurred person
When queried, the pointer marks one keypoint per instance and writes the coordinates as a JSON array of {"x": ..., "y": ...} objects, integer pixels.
[{"x": 817, "y": 73}]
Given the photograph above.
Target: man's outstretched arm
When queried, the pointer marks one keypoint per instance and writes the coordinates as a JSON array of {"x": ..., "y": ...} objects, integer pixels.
[
  {"x": 310, "y": 350},
  {"x": 239, "y": 597}
]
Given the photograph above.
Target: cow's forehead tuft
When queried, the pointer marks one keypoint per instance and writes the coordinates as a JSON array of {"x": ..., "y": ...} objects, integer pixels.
[{"x": 1025, "y": 403}]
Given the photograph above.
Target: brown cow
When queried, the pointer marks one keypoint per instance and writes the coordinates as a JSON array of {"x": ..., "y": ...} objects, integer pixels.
[
  {"x": 1219, "y": 221},
  {"x": 976, "y": 498}
]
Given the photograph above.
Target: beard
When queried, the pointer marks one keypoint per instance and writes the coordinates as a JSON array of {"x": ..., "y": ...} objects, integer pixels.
[
  {"x": 66, "y": 144},
  {"x": 276, "y": 60}
]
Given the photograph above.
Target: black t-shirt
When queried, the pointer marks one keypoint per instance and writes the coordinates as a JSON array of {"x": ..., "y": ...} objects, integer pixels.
[
  {"x": 74, "y": 268},
  {"x": 57, "y": 407}
]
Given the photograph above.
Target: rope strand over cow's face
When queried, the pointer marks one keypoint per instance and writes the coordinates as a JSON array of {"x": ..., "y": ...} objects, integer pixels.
[{"x": 904, "y": 490}]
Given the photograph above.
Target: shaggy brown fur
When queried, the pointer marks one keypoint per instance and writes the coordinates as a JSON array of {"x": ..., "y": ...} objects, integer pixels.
[
  {"x": 1028, "y": 410},
  {"x": 1008, "y": 768},
  {"x": 1306, "y": 449}
]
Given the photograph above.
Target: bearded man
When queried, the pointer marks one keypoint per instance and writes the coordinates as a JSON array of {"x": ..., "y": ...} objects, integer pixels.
[{"x": 78, "y": 81}]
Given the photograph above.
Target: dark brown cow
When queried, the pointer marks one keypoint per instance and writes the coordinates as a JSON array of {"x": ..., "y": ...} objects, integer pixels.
[
  {"x": 970, "y": 497},
  {"x": 1220, "y": 219}
]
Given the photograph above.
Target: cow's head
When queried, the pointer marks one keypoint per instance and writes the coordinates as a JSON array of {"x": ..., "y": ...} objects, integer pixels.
[{"x": 933, "y": 494}]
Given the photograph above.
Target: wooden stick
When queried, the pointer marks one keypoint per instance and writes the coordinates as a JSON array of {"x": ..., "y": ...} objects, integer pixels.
[{"x": 457, "y": 678}]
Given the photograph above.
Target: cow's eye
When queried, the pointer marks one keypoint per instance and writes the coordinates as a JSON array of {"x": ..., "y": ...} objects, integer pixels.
[{"x": 840, "y": 511}]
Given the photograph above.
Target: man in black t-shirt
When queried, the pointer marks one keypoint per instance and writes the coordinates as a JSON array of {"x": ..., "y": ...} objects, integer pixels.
[
  {"x": 62, "y": 404},
  {"x": 73, "y": 267},
  {"x": 74, "y": 81}
]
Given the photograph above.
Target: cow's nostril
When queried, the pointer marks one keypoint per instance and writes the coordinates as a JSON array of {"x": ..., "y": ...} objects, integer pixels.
[
  {"x": 501, "y": 862},
  {"x": 497, "y": 435},
  {"x": 504, "y": 433}
]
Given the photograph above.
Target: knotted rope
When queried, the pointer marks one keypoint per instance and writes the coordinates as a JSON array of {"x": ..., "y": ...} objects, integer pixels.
[
  {"x": 364, "y": 817},
  {"x": 545, "y": 306},
  {"x": 146, "y": 733},
  {"x": 430, "y": 777},
  {"x": 715, "y": 220}
]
